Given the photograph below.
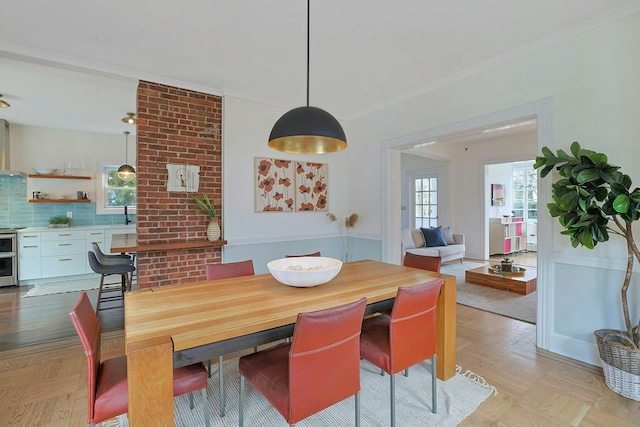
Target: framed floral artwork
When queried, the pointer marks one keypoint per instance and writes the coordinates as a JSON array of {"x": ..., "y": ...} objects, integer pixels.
[
  {"x": 275, "y": 190},
  {"x": 311, "y": 186},
  {"x": 290, "y": 186}
]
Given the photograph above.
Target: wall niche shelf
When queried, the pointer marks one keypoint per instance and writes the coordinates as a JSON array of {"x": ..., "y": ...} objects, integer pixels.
[
  {"x": 35, "y": 175},
  {"x": 59, "y": 201}
]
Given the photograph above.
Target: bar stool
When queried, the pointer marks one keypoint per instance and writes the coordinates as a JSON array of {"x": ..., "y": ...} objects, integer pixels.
[
  {"x": 110, "y": 259},
  {"x": 104, "y": 270},
  {"x": 116, "y": 259}
]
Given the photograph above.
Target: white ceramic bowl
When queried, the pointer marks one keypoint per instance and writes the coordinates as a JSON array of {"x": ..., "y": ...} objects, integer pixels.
[
  {"x": 43, "y": 171},
  {"x": 304, "y": 271}
]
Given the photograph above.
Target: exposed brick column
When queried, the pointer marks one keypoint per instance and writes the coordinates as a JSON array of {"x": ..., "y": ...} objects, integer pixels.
[{"x": 176, "y": 126}]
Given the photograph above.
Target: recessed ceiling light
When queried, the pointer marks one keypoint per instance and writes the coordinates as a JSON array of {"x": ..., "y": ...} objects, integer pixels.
[
  {"x": 424, "y": 144},
  {"x": 510, "y": 126}
]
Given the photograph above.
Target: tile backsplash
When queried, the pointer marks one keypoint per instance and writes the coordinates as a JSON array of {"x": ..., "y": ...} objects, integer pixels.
[{"x": 16, "y": 211}]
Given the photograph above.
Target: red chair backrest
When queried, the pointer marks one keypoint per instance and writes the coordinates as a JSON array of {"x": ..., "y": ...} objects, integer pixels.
[
  {"x": 313, "y": 254},
  {"x": 230, "y": 269},
  {"x": 424, "y": 262},
  {"x": 87, "y": 326},
  {"x": 412, "y": 331},
  {"x": 324, "y": 359}
]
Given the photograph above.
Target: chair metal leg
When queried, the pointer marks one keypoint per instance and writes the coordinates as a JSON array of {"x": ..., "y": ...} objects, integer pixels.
[
  {"x": 406, "y": 372},
  {"x": 221, "y": 377},
  {"x": 392, "y": 393},
  {"x": 100, "y": 293},
  {"x": 357, "y": 409},
  {"x": 209, "y": 367},
  {"x": 241, "y": 403},
  {"x": 434, "y": 397},
  {"x": 382, "y": 372},
  {"x": 205, "y": 407},
  {"x": 191, "y": 405}
]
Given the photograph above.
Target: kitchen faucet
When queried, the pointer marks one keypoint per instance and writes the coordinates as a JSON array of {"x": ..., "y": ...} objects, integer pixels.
[{"x": 126, "y": 216}]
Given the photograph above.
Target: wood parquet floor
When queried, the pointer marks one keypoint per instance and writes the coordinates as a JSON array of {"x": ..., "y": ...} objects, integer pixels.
[{"x": 45, "y": 384}]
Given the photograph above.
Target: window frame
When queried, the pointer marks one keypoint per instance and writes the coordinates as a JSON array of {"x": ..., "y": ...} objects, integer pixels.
[
  {"x": 414, "y": 205},
  {"x": 101, "y": 194}
]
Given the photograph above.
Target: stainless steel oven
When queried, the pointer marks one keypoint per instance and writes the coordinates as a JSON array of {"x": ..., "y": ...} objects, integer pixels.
[{"x": 8, "y": 257}]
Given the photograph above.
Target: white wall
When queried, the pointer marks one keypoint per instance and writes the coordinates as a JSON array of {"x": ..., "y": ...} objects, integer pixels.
[
  {"x": 592, "y": 79},
  {"x": 501, "y": 173},
  {"x": 412, "y": 166},
  {"x": 269, "y": 235}
]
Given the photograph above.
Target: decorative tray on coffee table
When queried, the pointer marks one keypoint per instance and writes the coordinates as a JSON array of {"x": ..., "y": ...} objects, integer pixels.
[{"x": 514, "y": 270}]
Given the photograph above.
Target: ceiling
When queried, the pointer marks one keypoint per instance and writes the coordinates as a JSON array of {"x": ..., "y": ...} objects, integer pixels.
[{"x": 74, "y": 64}]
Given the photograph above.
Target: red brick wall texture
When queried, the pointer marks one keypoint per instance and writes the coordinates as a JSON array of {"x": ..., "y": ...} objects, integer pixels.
[{"x": 176, "y": 126}]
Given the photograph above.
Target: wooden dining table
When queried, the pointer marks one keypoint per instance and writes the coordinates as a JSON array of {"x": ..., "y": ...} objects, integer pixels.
[{"x": 172, "y": 326}]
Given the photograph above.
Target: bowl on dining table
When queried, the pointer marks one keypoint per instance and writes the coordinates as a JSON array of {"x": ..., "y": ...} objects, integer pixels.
[{"x": 304, "y": 272}]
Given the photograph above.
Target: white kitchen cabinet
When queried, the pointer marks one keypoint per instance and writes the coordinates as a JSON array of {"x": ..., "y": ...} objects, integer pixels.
[
  {"x": 46, "y": 253},
  {"x": 63, "y": 253},
  {"x": 29, "y": 253}
]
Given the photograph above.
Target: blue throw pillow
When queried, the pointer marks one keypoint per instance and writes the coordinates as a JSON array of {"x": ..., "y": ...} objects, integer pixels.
[{"x": 433, "y": 237}]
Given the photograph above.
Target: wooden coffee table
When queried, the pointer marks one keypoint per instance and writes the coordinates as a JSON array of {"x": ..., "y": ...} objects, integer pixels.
[{"x": 520, "y": 283}]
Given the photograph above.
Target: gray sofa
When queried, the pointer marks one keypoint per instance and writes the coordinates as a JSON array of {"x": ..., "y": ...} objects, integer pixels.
[{"x": 413, "y": 241}]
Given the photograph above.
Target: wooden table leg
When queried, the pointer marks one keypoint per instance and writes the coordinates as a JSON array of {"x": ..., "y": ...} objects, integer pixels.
[
  {"x": 150, "y": 379},
  {"x": 446, "y": 329}
]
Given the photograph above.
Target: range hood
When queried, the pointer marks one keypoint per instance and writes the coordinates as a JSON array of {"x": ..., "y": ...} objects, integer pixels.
[{"x": 5, "y": 153}]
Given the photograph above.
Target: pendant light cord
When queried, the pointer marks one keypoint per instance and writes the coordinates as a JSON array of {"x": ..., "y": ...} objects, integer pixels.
[
  {"x": 308, "y": 20},
  {"x": 126, "y": 147}
]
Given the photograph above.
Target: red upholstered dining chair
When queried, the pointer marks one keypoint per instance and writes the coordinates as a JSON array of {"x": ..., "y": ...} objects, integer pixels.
[
  {"x": 230, "y": 269},
  {"x": 313, "y": 254},
  {"x": 430, "y": 263},
  {"x": 320, "y": 367},
  {"x": 226, "y": 271},
  {"x": 107, "y": 381},
  {"x": 394, "y": 343}
]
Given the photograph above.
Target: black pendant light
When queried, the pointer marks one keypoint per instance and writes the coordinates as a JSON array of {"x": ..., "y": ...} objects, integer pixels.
[
  {"x": 126, "y": 172},
  {"x": 307, "y": 130}
]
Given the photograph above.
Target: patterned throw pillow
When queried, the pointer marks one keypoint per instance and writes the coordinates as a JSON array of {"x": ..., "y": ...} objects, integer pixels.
[{"x": 433, "y": 237}]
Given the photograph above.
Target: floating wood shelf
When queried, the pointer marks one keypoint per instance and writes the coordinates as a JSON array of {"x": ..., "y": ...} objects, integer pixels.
[
  {"x": 35, "y": 175},
  {"x": 59, "y": 201},
  {"x": 127, "y": 242}
]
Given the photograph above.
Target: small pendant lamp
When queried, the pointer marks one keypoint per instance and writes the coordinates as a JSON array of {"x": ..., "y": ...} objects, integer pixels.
[
  {"x": 307, "y": 130},
  {"x": 126, "y": 172},
  {"x": 131, "y": 119}
]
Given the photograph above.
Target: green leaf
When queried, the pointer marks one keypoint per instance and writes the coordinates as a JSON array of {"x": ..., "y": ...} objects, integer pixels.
[
  {"x": 587, "y": 240},
  {"x": 599, "y": 159},
  {"x": 622, "y": 203},
  {"x": 575, "y": 148}
]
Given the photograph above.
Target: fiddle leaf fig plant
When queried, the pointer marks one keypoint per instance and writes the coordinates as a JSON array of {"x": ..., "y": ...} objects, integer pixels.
[{"x": 593, "y": 200}]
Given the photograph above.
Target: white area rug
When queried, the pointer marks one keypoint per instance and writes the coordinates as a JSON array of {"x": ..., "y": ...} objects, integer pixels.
[
  {"x": 521, "y": 307},
  {"x": 457, "y": 398},
  {"x": 62, "y": 287}
]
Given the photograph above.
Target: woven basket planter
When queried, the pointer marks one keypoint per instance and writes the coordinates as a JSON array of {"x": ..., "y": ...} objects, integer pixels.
[{"x": 620, "y": 362}]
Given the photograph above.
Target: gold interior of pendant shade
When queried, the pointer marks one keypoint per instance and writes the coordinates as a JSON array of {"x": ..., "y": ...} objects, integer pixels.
[
  {"x": 307, "y": 144},
  {"x": 4, "y": 104}
]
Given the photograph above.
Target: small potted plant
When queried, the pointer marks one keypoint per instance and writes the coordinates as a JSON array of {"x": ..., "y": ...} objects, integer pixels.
[
  {"x": 506, "y": 264},
  {"x": 59, "y": 221},
  {"x": 213, "y": 229},
  {"x": 592, "y": 201}
]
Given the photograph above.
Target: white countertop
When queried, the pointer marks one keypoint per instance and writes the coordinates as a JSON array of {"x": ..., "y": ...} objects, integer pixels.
[{"x": 80, "y": 227}]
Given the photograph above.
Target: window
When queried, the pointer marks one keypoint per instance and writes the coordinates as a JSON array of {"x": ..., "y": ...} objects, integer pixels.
[
  {"x": 115, "y": 193},
  {"x": 525, "y": 193},
  {"x": 425, "y": 190}
]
